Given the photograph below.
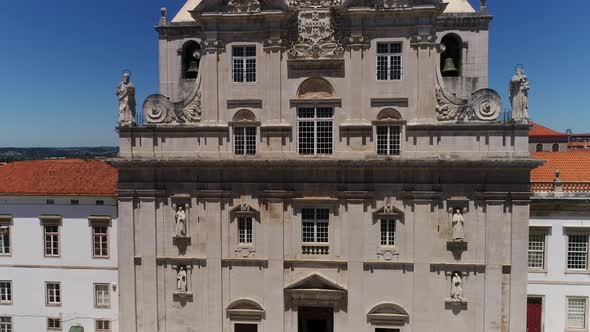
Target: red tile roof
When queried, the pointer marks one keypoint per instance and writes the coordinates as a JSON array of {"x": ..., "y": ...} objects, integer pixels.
[
  {"x": 574, "y": 166},
  {"x": 58, "y": 177},
  {"x": 539, "y": 130}
]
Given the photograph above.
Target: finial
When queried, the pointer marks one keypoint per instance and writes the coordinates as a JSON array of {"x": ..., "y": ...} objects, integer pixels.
[
  {"x": 164, "y": 18},
  {"x": 557, "y": 174},
  {"x": 483, "y": 9}
]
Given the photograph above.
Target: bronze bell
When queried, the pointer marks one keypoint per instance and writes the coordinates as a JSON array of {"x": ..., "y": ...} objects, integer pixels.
[
  {"x": 193, "y": 68},
  {"x": 449, "y": 68}
]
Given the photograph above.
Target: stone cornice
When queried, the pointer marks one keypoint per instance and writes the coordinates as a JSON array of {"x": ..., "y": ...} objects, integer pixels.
[
  {"x": 476, "y": 21},
  {"x": 526, "y": 163}
]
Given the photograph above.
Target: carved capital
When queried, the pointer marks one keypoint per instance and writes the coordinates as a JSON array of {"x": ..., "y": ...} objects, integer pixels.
[
  {"x": 358, "y": 42},
  {"x": 423, "y": 41},
  {"x": 274, "y": 44},
  {"x": 213, "y": 46}
]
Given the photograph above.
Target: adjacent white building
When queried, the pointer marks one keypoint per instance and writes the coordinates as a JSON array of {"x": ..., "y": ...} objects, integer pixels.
[
  {"x": 58, "y": 256},
  {"x": 559, "y": 270}
]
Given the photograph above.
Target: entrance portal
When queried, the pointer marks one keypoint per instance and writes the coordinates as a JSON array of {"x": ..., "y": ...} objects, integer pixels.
[{"x": 315, "y": 319}]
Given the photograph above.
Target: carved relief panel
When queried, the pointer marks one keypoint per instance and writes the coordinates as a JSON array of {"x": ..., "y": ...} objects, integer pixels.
[{"x": 316, "y": 31}]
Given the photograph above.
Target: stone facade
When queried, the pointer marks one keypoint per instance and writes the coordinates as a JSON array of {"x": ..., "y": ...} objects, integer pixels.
[{"x": 335, "y": 212}]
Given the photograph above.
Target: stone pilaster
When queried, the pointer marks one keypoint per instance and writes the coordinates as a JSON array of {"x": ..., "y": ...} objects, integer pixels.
[{"x": 126, "y": 255}]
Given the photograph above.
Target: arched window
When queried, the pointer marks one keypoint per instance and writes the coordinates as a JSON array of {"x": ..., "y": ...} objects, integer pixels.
[
  {"x": 451, "y": 59},
  {"x": 244, "y": 133},
  {"x": 555, "y": 147},
  {"x": 389, "y": 132},
  {"x": 539, "y": 147},
  {"x": 191, "y": 59}
]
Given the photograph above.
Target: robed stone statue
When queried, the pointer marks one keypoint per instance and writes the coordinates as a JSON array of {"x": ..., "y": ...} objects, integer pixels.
[
  {"x": 519, "y": 95},
  {"x": 458, "y": 226},
  {"x": 180, "y": 217},
  {"x": 181, "y": 280},
  {"x": 456, "y": 287},
  {"x": 126, "y": 94}
]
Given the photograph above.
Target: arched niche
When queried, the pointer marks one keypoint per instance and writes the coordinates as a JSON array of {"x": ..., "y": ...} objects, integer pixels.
[
  {"x": 245, "y": 309},
  {"x": 388, "y": 313},
  {"x": 389, "y": 114},
  {"x": 451, "y": 60},
  {"x": 244, "y": 116},
  {"x": 315, "y": 88},
  {"x": 191, "y": 59}
]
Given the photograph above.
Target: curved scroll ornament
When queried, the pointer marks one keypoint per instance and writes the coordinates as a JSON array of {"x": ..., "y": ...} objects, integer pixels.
[
  {"x": 315, "y": 88},
  {"x": 158, "y": 109},
  {"x": 484, "y": 105}
]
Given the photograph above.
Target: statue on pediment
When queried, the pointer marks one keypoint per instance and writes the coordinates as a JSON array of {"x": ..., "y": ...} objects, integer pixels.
[
  {"x": 456, "y": 287},
  {"x": 458, "y": 226},
  {"x": 181, "y": 284},
  {"x": 126, "y": 94},
  {"x": 180, "y": 217},
  {"x": 519, "y": 95}
]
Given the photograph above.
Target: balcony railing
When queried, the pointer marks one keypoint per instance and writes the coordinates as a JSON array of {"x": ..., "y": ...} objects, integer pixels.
[
  {"x": 315, "y": 249},
  {"x": 568, "y": 187}
]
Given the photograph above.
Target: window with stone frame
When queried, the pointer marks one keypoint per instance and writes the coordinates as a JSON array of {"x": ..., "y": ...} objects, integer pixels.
[
  {"x": 536, "y": 251},
  {"x": 387, "y": 232},
  {"x": 577, "y": 252},
  {"x": 315, "y": 127},
  {"x": 389, "y": 140},
  {"x": 100, "y": 240},
  {"x": 539, "y": 147},
  {"x": 576, "y": 313},
  {"x": 389, "y": 61},
  {"x": 555, "y": 147},
  {"x": 245, "y": 230},
  {"x": 52, "y": 245},
  {"x": 54, "y": 324},
  {"x": 244, "y": 63},
  {"x": 245, "y": 140},
  {"x": 315, "y": 223},
  {"x": 102, "y": 296},
  {"x": 4, "y": 239},
  {"x": 102, "y": 325},
  {"x": 52, "y": 293},
  {"x": 5, "y": 324},
  {"x": 5, "y": 292}
]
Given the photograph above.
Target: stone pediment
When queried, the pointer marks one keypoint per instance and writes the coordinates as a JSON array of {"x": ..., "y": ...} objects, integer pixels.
[
  {"x": 315, "y": 281},
  {"x": 388, "y": 313},
  {"x": 244, "y": 209},
  {"x": 245, "y": 309},
  {"x": 389, "y": 210}
]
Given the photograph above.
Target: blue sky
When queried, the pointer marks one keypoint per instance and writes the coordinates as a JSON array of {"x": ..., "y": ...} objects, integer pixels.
[{"x": 60, "y": 62}]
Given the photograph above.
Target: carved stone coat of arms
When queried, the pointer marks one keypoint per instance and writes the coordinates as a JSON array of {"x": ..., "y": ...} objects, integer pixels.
[{"x": 317, "y": 36}]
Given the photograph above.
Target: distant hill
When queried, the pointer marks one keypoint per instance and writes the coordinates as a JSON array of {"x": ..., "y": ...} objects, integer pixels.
[{"x": 13, "y": 154}]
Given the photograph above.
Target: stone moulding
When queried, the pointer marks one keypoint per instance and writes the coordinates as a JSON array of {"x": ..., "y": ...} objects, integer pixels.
[
  {"x": 245, "y": 309},
  {"x": 388, "y": 313}
]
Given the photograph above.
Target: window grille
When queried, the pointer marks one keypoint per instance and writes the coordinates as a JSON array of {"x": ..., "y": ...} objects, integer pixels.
[
  {"x": 51, "y": 240},
  {"x": 389, "y": 61},
  {"x": 536, "y": 255},
  {"x": 315, "y": 130},
  {"x": 245, "y": 140},
  {"x": 5, "y": 292},
  {"x": 577, "y": 253},
  {"x": 244, "y": 63},
  {"x": 245, "y": 230},
  {"x": 388, "y": 140},
  {"x": 387, "y": 232},
  {"x": 5, "y": 324},
  {"x": 53, "y": 290},
  {"x": 102, "y": 296},
  {"x": 100, "y": 239},
  {"x": 576, "y": 313},
  {"x": 315, "y": 225},
  {"x": 4, "y": 239}
]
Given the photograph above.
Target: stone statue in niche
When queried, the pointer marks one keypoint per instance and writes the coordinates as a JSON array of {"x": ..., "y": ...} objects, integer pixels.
[
  {"x": 181, "y": 285},
  {"x": 456, "y": 287},
  {"x": 126, "y": 94},
  {"x": 180, "y": 217},
  {"x": 519, "y": 95},
  {"x": 458, "y": 226}
]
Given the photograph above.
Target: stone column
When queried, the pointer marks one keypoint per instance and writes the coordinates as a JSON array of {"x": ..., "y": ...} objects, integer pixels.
[
  {"x": 519, "y": 264},
  {"x": 210, "y": 93},
  {"x": 126, "y": 253},
  {"x": 425, "y": 45},
  {"x": 494, "y": 258},
  {"x": 147, "y": 234}
]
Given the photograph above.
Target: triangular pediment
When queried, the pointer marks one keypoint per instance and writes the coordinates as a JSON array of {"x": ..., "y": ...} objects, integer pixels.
[
  {"x": 315, "y": 281},
  {"x": 389, "y": 210}
]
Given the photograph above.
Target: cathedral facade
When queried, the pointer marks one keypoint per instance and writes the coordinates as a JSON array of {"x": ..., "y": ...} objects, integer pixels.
[{"x": 323, "y": 166}]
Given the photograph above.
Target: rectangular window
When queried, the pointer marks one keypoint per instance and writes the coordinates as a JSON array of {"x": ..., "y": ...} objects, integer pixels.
[
  {"x": 388, "y": 140},
  {"x": 245, "y": 140},
  {"x": 5, "y": 292},
  {"x": 387, "y": 232},
  {"x": 536, "y": 251},
  {"x": 577, "y": 252},
  {"x": 389, "y": 61},
  {"x": 74, "y": 202},
  {"x": 245, "y": 230},
  {"x": 100, "y": 202},
  {"x": 103, "y": 325},
  {"x": 54, "y": 324},
  {"x": 576, "y": 313},
  {"x": 244, "y": 63},
  {"x": 315, "y": 130},
  {"x": 100, "y": 240},
  {"x": 53, "y": 293},
  {"x": 50, "y": 202},
  {"x": 4, "y": 239},
  {"x": 246, "y": 328},
  {"x": 5, "y": 324},
  {"x": 315, "y": 225},
  {"x": 51, "y": 240},
  {"x": 102, "y": 296}
]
